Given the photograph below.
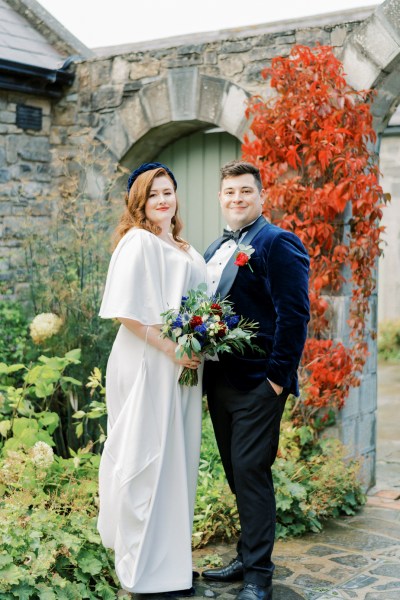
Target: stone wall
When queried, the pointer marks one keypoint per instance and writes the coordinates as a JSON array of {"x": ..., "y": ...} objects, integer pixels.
[{"x": 25, "y": 180}]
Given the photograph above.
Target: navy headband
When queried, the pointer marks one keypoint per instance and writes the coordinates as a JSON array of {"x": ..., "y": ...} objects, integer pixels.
[{"x": 149, "y": 167}]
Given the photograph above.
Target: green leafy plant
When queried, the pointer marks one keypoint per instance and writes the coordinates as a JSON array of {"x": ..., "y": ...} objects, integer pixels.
[
  {"x": 389, "y": 340},
  {"x": 14, "y": 334},
  {"x": 96, "y": 410},
  {"x": 34, "y": 399},
  {"x": 50, "y": 547}
]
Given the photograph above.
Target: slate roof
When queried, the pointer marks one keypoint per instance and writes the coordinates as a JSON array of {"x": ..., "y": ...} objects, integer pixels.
[{"x": 21, "y": 43}]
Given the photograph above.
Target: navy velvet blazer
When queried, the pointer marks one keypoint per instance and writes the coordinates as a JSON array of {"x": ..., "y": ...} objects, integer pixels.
[{"x": 275, "y": 294}]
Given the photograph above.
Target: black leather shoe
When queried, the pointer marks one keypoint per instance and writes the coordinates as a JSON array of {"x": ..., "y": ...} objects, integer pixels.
[
  {"x": 251, "y": 591},
  {"x": 180, "y": 593},
  {"x": 232, "y": 572}
]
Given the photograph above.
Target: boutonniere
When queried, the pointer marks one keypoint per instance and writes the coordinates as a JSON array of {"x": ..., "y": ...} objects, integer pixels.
[{"x": 243, "y": 255}]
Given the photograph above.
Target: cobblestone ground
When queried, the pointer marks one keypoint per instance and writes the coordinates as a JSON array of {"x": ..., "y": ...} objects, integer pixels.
[{"x": 354, "y": 557}]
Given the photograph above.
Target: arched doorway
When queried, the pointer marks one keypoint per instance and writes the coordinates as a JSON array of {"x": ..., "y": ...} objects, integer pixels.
[{"x": 195, "y": 160}]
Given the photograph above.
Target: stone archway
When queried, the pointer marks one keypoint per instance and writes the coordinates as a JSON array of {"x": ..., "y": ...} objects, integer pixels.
[
  {"x": 182, "y": 102},
  {"x": 371, "y": 58}
]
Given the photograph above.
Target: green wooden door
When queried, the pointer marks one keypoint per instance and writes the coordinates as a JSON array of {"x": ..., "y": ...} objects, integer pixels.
[{"x": 195, "y": 161}]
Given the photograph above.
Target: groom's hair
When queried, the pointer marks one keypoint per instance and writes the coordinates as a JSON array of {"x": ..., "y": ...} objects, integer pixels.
[{"x": 240, "y": 167}]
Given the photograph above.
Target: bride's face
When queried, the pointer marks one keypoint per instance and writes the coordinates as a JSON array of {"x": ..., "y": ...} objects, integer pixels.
[{"x": 161, "y": 203}]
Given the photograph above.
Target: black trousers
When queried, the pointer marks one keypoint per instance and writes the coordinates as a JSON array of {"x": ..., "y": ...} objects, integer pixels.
[{"x": 246, "y": 426}]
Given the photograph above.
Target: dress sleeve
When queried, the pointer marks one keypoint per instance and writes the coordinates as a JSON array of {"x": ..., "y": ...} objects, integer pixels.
[{"x": 134, "y": 286}]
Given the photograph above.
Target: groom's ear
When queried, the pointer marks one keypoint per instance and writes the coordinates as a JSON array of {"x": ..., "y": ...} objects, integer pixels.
[{"x": 263, "y": 195}]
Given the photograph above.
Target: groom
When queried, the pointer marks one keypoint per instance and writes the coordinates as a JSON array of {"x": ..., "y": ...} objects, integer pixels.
[{"x": 247, "y": 393}]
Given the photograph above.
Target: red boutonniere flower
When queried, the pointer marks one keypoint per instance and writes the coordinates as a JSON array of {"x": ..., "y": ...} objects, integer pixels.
[{"x": 243, "y": 255}]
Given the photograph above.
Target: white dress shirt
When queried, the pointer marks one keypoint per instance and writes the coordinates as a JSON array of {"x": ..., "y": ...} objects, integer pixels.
[{"x": 219, "y": 260}]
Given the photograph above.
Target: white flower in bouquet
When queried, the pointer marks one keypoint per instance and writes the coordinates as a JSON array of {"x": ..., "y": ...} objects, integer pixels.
[
  {"x": 45, "y": 326},
  {"x": 42, "y": 454}
]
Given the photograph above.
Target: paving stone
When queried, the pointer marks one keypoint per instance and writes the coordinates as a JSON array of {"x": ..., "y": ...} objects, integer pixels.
[
  {"x": 313, "y": 567},
  {"x": 308, "y": 581},
  {"x": 376, "y": 525},
  {"x": 388, "y": 569},
  {"x": 351, "y": 560},
  {"x": 282, "y": 592},
  {"x": 384, "y": 514},
  {"x": 347, "y": 537},
  {"x": 382, "y": 596},
  {"x": 391, "y": 585},
  {"x": 282, "y": 572},
  {"x": 322, "y": 551},
  {"x": 340, "y": 573},
  {"x": 359, "y": 582}
]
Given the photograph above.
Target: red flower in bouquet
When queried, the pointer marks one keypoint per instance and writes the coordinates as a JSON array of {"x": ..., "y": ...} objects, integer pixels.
[
  {"x": 195, "y": 321},
  {"x": 216, "y": 309},
  {"x": 222, "y": 329}
]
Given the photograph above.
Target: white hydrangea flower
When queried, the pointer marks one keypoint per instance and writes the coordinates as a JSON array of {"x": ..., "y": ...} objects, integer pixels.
[
  {"x": 45, "y": 326},
  {"x": 42, "y": 454}
]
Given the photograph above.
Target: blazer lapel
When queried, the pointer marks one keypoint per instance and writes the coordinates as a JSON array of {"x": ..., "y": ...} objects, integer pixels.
[
  {"x": 212, "y": 248},
  {"x": 229, "y": 273}
]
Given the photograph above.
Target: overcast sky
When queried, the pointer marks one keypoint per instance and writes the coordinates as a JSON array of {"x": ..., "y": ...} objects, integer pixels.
[{"x": 106, "y": 23}]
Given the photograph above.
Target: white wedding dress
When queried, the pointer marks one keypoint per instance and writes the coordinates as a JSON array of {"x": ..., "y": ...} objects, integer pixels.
[{"x": 149, "y": 466}]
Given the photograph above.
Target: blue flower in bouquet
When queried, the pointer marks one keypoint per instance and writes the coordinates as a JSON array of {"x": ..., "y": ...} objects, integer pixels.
[
  {"x": 184, "y": 299},
  {"x": 178, "y": 321},
  {"x": 232, "y": 321},
  {"x": 202, "y": 330},
  {"x": 185, "y": 318}
]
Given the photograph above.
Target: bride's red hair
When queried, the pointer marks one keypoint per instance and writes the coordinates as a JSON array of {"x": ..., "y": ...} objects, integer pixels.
[{"x": 134, "y": 214}]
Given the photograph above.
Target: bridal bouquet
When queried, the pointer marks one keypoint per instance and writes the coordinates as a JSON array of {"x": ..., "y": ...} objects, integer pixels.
[{"x": 205, "y": 326}]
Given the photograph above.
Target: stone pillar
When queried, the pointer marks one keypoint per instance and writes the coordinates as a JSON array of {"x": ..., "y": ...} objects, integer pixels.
[{"x": 389, "y": 263}]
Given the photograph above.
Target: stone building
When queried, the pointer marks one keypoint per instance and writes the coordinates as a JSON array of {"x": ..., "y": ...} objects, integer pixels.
[{"x": 181, "y": 100}]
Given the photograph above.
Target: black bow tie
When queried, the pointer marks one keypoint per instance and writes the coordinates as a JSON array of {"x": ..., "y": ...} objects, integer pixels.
[{"x": 228, "y": 234}]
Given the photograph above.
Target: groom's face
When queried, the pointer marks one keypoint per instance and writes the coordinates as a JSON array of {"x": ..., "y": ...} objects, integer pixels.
[{"x": 241, "y": 200}]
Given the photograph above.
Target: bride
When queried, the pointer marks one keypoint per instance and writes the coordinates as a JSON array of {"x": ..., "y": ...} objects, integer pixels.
[{"x": 148, "y": 469}]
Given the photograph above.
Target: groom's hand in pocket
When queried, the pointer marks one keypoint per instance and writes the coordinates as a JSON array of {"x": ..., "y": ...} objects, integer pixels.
[{"x": 278, "y": 389}]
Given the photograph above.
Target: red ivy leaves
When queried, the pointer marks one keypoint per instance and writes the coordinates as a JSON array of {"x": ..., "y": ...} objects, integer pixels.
[{"x": 311, "y": 142}]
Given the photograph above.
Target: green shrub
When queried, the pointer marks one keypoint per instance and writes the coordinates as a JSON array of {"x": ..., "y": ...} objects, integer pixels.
[
  {"x": 313, "y": 482},
  {"x": 50, "y": 548},
  {"x": 389, "y": 340},
  {"x": 14, "y": 333},
  {"x": 215, "y": 514},
  {"x": 34, "y": 399}
]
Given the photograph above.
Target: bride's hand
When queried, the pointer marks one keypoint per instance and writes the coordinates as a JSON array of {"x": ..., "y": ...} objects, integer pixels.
[
  {"x": 190, "y": 363},
  {"x": 185, "y": 361}
]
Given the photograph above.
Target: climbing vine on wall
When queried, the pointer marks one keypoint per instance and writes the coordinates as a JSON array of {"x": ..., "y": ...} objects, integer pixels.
[{"x": 313, "y": 142}]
